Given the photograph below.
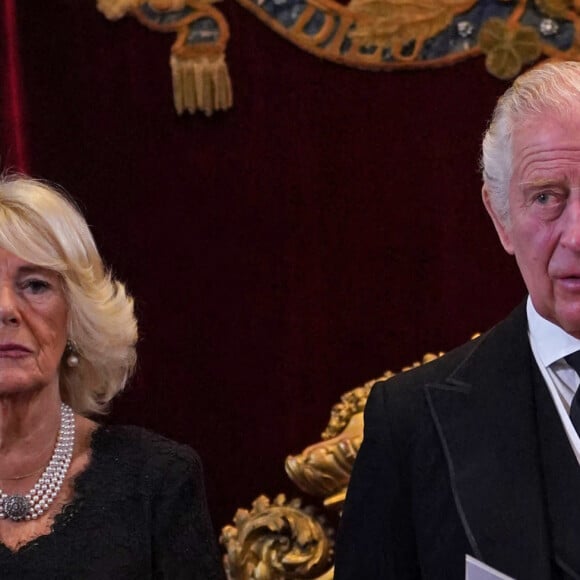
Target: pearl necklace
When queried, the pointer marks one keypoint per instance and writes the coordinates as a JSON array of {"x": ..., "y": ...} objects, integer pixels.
[{"x": 32, "y": 505}]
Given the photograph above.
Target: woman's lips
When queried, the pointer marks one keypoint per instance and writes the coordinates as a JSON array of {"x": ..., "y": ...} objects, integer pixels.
[{"x": 13, "y": 351}]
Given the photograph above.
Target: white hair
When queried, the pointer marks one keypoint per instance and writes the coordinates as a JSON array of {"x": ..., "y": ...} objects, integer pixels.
[
  {"x": 42, "y": 226},
  {"x": 551, "y": 86}
]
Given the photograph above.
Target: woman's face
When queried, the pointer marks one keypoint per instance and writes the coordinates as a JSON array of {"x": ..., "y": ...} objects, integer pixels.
[{"x": 33, "y": 325}]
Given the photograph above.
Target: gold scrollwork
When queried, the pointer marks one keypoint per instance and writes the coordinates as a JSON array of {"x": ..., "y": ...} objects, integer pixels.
[{"x": 276, "y": 540}]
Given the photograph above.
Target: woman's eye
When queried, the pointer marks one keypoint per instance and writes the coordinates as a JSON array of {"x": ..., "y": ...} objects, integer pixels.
[{"x": 35, "y": 286}]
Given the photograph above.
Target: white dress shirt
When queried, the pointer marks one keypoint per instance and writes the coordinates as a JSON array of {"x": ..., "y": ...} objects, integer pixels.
[{"x": 550, "y": 344}]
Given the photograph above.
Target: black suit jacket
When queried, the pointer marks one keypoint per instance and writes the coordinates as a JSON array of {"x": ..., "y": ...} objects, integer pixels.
[{"x": 451, "y": 465}]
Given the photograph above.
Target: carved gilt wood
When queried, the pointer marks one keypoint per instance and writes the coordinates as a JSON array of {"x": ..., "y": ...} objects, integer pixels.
[{"x": 280, "y": 539}]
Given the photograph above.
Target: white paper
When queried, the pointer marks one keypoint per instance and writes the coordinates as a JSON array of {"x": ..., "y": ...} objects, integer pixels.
[{"x": 476, "y": 570}]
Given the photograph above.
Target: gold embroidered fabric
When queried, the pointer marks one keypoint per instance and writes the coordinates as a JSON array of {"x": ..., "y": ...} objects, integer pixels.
[
  {"x": 371, "y": 34},
  {"x": 201, "y": 81}
]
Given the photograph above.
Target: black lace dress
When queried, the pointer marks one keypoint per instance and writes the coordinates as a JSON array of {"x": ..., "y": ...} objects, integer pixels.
[{"x": 139, "y": 512}]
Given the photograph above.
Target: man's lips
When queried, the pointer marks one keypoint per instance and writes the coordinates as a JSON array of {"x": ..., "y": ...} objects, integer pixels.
[{"x": 568, "y": 281}]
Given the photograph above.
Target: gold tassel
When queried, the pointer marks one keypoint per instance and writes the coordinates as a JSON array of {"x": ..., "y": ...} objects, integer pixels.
[
  {"x": 115, "y": 9},
  {"x": 201, "y": 82}
]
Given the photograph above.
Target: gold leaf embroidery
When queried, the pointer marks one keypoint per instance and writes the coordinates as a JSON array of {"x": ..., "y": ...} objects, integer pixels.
[
  {"x": 394, "y": 24},
  {"x": 554, "y": 8},
  {"x": 508, "y": 48}
]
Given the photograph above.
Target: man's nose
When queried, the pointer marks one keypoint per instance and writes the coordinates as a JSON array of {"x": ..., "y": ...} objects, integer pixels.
[
  {"x": 570, "y": 237},
  {"x": 8, "y": 307}
]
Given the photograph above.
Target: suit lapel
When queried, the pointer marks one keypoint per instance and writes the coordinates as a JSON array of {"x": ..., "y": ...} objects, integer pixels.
[
  {"x": 562, "y": 482},
  {"x": 485, "y": 416}
]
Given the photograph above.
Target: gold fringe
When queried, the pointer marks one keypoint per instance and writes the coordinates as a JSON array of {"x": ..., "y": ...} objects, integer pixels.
[{"x": 201, "y": 82}]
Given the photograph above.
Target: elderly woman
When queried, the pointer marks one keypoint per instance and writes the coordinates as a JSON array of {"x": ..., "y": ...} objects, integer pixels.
[{"x": 77, "y": 499}]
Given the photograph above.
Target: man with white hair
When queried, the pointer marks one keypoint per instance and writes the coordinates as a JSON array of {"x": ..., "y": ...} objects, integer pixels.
[{"x": 477, "y": 454}]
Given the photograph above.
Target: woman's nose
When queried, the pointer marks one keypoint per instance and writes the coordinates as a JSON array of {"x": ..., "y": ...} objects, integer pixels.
[{"x": 8, "y": 307}]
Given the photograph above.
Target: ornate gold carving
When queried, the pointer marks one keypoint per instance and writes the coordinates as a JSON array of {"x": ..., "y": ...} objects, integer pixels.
[
  {"x": 276, "y": 540},
  {"x": 281, "y": 540},
  {"x": 354, "y": 401},
  {"x": 324, "y": 469}
]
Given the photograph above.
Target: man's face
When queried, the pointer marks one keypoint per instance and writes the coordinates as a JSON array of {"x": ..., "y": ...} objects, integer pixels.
[{"x": 543, "y": 232}]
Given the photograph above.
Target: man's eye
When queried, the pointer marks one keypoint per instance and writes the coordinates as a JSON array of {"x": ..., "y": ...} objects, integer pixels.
[
  {"x": 544, "y": 197},
  {"x": 35, "y": 286}
]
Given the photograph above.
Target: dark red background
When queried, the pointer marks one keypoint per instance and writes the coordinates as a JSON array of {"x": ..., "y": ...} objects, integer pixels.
[{"x": 326, "y": 228}]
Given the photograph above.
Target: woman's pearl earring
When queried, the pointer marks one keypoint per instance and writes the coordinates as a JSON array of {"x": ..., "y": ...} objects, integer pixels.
[{"x": 71, "y": 352}]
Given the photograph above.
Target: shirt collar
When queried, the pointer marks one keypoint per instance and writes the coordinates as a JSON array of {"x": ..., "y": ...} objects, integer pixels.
[{"x": 550, "y": 341}]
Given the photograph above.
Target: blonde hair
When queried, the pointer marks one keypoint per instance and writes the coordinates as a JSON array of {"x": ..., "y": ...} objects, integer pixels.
[
  {"x": 41, "y": 225},
  {"x": 551, "y": 86}
]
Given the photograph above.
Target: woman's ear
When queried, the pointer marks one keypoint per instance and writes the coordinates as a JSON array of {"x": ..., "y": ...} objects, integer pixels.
[{"x": 501, "y": 226}]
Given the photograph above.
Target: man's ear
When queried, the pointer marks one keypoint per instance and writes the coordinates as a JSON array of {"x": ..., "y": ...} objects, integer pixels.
[{"x": 502, "y": 229}]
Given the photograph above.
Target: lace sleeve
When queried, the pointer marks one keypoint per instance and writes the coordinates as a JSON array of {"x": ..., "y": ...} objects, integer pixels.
[{"x": 184, "y": 544}]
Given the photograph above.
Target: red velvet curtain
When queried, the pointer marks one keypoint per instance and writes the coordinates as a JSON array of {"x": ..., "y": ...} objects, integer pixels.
[
  {"x": 13, "y": 102},
  {"x": 325, "y": 229}
]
